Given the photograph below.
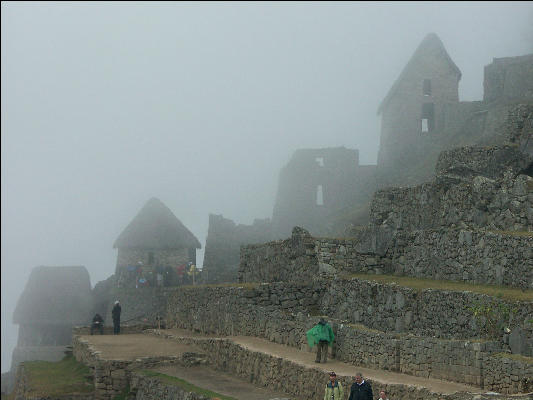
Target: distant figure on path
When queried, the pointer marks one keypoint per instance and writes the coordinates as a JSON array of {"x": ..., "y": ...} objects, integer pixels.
[
  {"x": 360, "y": 389},
  {"x": 98, "y": 324},
  {"x": 383, "y": 395},
  {"x": 321, "y": 334},
  {"x": 334, "y": 390},
  {"x": 116, "y": 317}
]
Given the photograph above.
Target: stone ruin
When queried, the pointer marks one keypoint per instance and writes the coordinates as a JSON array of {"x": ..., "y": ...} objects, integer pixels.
[
  {"x": 460, "y": 210},
  {"x": 327, "y": 192},
  {"x": 54, "y": 300}
]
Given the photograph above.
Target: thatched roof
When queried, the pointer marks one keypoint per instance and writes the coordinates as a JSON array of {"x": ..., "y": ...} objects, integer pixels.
[
  {"x": 55, "y": 296},
  {"x": 431, "y": 46},
  {"x": 156, "y": 227}
]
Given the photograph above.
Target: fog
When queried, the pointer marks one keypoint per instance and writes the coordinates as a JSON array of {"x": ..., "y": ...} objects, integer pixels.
[{"x": 105, "y": 105}]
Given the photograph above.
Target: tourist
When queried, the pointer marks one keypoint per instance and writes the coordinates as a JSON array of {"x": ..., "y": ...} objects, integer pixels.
[
  {"x": 334, "y": 390},
  {"x": 116, "y": 317},
  {"x": 322, "y": 335},
  {"x": 383, "y": 395},
  {"x": 360, "y": 390},
  {"x": 98, "y": 324}
]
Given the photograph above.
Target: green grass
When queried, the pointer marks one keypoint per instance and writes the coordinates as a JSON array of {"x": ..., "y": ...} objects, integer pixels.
[
  {"x": 188, "y": 387},
  {"x": 503, "y": 292},
  {"x": 516, "y": 357},
  {"x": 124, "y": 394},
  {"x": 247, "y": 285},
  {"x": 514, "y": 233},
  {"x": 57, "y": 378}
]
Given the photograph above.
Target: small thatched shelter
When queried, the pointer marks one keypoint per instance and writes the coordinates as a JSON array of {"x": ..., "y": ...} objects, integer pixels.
[{"x": 154, "y": 241}]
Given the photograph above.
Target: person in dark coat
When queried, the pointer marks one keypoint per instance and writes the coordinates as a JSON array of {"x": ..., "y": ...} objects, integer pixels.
[
  {"x": 116, "y": 317},
  {"x": 98, "y": 324},
  {"x": 360, "y": 390}
]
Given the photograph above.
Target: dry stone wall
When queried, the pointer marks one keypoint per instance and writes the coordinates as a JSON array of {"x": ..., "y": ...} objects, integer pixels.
[
  {"x": 149, "y": 388},
  {"x": 244, "y": 311},
  {"x": 293, "y": 259},
  {"x": 478, "y": 203},
  {"x": 498, "y": 258},
  {"x": 111, "y": 377},
  {"x": 393, "y": 308}
]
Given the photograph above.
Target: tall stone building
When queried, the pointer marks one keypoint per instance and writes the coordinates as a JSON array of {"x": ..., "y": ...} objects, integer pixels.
[
  {"x": 154, "y": 241},
  {"x": 412, "y": 112}
]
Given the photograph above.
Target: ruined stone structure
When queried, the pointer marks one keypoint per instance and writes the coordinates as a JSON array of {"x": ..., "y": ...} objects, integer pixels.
[
  {"x": 509, "y": 79},
  {"x": 54, "y": 300},
  {"x": 412, "y": 110},
  {"x": 155, "y": 241},
  {"x": 422, "y": 115},
  {"x": 316, "y": 186},
  {"x": 222, "y": 248}
]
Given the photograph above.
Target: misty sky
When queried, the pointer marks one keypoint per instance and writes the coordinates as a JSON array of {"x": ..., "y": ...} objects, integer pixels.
[{"x": 105, "y": 105}]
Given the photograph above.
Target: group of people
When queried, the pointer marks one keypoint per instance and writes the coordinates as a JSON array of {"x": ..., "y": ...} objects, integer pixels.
[
  {"x": 98, "y": 321},
  {"x": 322, "y": 336}
]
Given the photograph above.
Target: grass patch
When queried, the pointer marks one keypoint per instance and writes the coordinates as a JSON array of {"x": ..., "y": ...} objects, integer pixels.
[
  {"x": 124, "y": 394},
  {"x": 530, "y": 185},
  {"x": 57, "y": 378},
  {"x": 247, "y": 285},
  {"x": 514, "y": 233},
  {"x": 364, "y": 328},
  {"x": 503, "y": 292},
  {"x": 188, "y": 387},
  {"x": 516, "y": 357}
]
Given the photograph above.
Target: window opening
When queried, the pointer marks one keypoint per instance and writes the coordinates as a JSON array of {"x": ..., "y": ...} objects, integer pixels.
[
  {"x": 427, "y": 117},
  {"x": 425, "y": 125},
  {"x": 426, "y": 87},
  {"x": 319, "y": 196}
]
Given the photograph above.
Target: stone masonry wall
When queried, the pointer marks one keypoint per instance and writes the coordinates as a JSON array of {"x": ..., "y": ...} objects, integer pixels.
[
  {"x": 283, "y": 260},
  {"x": 479, "y": 203},
  {"x": 111, "y": 377},
  {"x": 148, "y": 388},
  {"x": 222, "y": 248},
  {"x": 140, "y": 305},
  {"x": 481, "y": 257},
  {"x": 393, "y": 308},
  {"x": 499, "y": 258},
  {"x": 245, "y": 311}
]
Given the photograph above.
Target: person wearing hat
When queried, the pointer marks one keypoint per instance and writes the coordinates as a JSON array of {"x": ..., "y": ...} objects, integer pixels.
[
  {"x": 334, "y": 390},
  {"x": 116, "y": 317},
  {"x": 322, "y": 335}
]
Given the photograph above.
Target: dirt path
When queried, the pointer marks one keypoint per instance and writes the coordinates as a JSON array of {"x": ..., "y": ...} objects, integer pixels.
[
  {"x": 307, "y": 359},
  {"x": 128, "y": 347},
  {"x": 220, "y": 382}
]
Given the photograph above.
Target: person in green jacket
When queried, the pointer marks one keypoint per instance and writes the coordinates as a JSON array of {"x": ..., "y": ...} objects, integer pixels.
[
  {"x": 334, "y": 390},
  {"x": 321, "y": 334}
]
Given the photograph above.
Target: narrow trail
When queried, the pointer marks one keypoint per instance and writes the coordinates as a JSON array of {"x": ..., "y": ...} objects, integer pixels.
[
  {"x": 132, "y": 346},
  {"x": 307, "y": 359}
]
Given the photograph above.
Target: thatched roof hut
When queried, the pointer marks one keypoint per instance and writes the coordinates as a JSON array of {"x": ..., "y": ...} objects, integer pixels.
[
  {"x": 431, "y": 47},
  {"x": 156, "y": 227},
  {"x": 55, "y": 296}
]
